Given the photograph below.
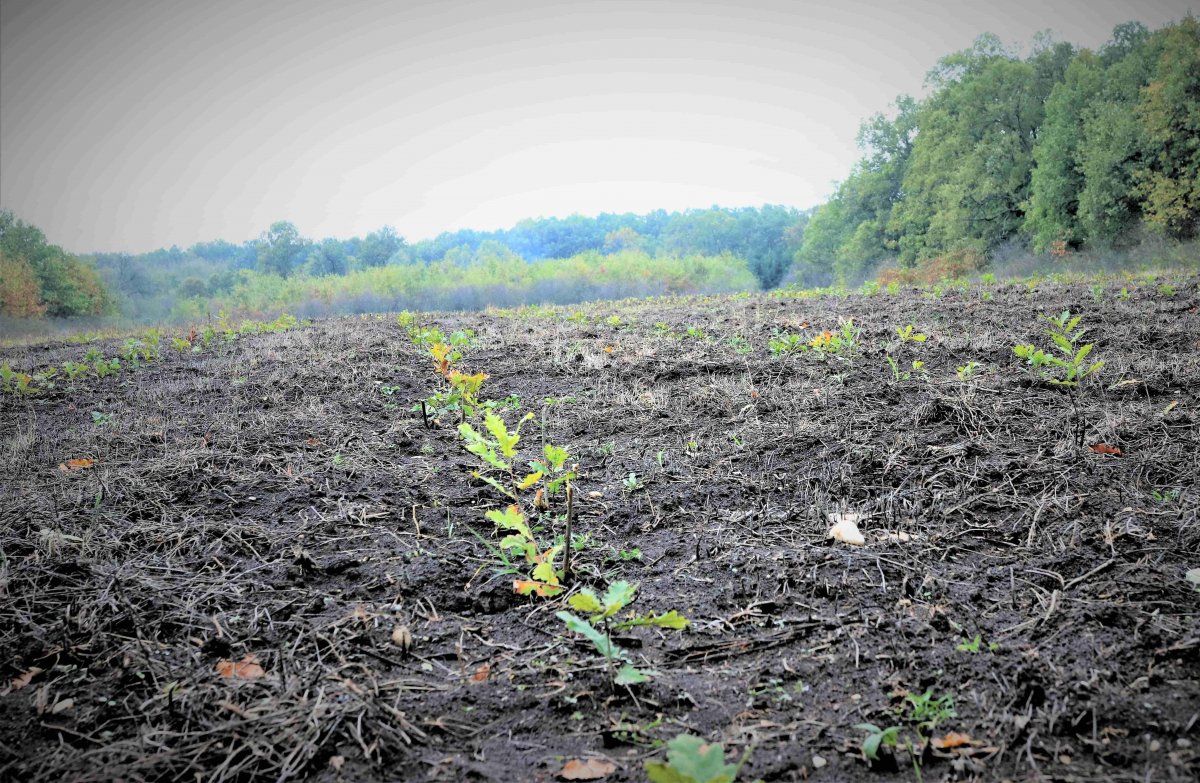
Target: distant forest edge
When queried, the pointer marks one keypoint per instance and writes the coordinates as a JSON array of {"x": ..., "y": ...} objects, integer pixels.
[{"x": 1065, "y": 154}]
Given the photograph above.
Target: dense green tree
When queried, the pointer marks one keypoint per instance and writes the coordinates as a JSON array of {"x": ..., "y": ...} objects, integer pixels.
[
  {"x": 969, "y": 176},
  {"x": 68, "y": 286},
  {"x": 378, "y": 247},
  {"x": 280, "y": 248},
  {"x": 328, "y": 258},
  {"x": 1170, "y": 116},
  {"x": 20, "y": 291}
]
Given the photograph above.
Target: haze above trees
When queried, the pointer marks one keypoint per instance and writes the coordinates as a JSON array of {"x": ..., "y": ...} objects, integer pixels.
[{"x": 1061, "y": 150}]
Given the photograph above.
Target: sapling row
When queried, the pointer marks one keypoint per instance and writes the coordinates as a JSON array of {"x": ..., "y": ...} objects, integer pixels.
[
  {"x": 134, "y": 353},
  {"x": 497, "y": 446}
]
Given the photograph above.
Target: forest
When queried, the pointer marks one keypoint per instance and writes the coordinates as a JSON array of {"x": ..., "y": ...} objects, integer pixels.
[{"x": 1058, "y": 153}]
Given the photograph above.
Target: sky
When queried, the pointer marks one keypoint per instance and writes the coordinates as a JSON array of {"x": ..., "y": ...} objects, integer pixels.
[{"x": 127, "y": 125}]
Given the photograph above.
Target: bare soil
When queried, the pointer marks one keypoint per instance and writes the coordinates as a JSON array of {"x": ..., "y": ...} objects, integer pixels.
[{"x": 277, "y": 497}]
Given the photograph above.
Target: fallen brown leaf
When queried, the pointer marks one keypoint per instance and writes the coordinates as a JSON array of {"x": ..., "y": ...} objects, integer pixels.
[
  {"x": 21, "y": 680},
  {"x": 1104, "y": 448},
  {"x": 952, "y": 739},
  {"x": 247, "y": 668},
  {"x": 482, "y": 673},
  {"x": 586, "y": 769},
  {"x": 83, "y": 463}
]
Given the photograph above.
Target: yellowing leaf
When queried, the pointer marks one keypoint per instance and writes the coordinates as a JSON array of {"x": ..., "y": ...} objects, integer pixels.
[
  {"x": 83, "y": 463},
  {"x": 586, "y": 769},
  {"x": 530, "y": 480},
  {"x": 540, "y": 589}
]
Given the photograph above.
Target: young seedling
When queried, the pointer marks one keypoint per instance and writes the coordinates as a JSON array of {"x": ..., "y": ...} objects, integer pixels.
[
  {"x": 842, "y": 344},
  {"x": 692, "y": 760},
  {"x": 927, "y": 711},
  {"x": 782, "y": 343},
  {"x": 598, "y": 627},
  {"x": 18, "y": 383},
  {"x": 878, "y": 738},
  {"x": 968, "y": 371},
  {"x": 975, "y": 645},
  {"x": 544, "y": 581},
  {"x": 908, "y": 334},
  {"x": 497, "y": 450},
  {"x": 75, "y": 370},
  {"x": 552, "y": 468},
  {"x": 1068, "y": 367}
]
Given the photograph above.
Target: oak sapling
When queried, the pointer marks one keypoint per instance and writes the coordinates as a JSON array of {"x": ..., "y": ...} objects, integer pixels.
[
  {"x": 692, "y": 760},
  {"x": 497, "y": 448},
  {"x": 1068, "y": 367},
  {"x": 600, "y": 624},
  {"x": 75, "y": 370},
  {"x": 545, "y": 581}
]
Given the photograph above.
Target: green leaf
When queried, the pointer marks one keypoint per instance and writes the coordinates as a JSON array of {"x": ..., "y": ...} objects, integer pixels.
[
  {"x": 556, "y": 456},
  {"x": 627, "y": 675},
  {"x": 870, "y": 746},
  {"x": 586, "y": 601},
  {"x": 511, "y": 518},
  {"x": 671, "y": 619},
  {"x": 1083, "y": 352},
  {"x": 1063, "y": 343},
  {"x": 495, "y": 484},
  {"x": 598, "y": 640},
  {"x": 660, "y": 772},
  {"x": 530, "y": 480},
  {"x": 505, "y": 439},
  {"x": 544, "y": 570},
  {"x": 1193, "y": 576},
  {"x": 513, "y": 542},
  {"x": 618, "y": 595},
  {"x": 692, "y": 760},
  {"x": 480, "y": 447}
]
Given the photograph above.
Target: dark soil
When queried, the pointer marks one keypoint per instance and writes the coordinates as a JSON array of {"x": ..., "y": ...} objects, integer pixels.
[{"x": 278, "y": 497}]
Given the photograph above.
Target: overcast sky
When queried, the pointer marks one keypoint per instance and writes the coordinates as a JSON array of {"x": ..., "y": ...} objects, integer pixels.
[{"x": 135, "y": 124}]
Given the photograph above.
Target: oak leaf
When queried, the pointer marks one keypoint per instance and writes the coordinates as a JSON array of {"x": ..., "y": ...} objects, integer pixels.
[
  {"x": 952, "y": 739},
  {"x": 586, "y": 769},
  {"x": 247, "y": 668},
  {"x": 25, "y": 678}
]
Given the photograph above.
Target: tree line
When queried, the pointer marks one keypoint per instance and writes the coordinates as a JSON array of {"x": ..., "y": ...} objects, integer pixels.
[
  {"x": 149, "y": 284},
  {"x": 40, "y": 279},
  {"x": 1061, "y": 150}
]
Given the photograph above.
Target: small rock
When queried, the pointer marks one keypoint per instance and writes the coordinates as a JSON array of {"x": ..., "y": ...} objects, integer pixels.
[
  {"x": 818, "y": 762},
  {"x": 1183, "y": 742},
  {"x": 1155, "y": 746}
]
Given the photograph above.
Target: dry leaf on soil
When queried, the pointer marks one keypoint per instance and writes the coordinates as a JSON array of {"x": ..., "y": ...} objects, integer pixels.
[
  {"x": 1104, "y": 448},
  {"x": 952, "y": 739},
  {"x": 845, "y": 529},
  {"x": 83, "y": 463},
  {"x": 586, "y": 769},
  {"x": 482, "y": 673},
  {"x": 20, "y": 681},
  {"x": 247, "y": 668}
]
